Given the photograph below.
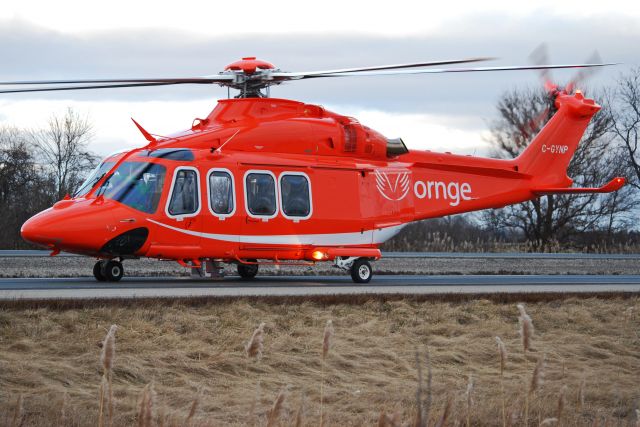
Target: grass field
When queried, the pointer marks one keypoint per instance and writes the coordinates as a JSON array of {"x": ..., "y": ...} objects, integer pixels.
[{"x": 194, "y": 351}]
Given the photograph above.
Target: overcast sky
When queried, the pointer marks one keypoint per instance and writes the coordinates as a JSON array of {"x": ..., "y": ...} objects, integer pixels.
[{"x": 48, "y": 40}]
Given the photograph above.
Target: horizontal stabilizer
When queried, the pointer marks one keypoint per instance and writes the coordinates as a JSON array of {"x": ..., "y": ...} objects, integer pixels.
[{"x": 614, "y": 185}]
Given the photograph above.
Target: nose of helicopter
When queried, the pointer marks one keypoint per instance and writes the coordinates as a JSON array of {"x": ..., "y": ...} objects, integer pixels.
[
  {"x": 70, "y": 225},
  {"x": 39, "y": 230}
]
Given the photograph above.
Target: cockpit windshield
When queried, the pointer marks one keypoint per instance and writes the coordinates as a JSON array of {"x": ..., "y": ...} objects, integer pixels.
[
  {"x": 93, "y": 178},
  {"x": 135, "y": 184}
]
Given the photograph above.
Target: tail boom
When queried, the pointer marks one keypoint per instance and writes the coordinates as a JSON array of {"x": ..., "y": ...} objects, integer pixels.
[{"x": 445, "y": 184}]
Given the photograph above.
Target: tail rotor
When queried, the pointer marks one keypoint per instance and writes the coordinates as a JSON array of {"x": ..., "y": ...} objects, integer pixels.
[{"x": 540, "y": 58}]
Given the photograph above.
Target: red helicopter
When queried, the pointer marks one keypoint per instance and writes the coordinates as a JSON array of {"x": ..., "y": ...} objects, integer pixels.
[{"x": 273, "y": 181}]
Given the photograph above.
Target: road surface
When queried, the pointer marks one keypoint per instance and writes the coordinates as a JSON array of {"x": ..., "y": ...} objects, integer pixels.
[{"x": 132, "y": 287}]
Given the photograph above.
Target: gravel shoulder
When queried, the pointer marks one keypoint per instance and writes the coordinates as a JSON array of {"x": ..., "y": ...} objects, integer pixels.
[{"x": 71, "y": 266}]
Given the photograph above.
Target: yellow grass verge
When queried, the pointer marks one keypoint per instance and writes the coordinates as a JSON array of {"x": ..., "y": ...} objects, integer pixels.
[{"x": 362, "y": 365}]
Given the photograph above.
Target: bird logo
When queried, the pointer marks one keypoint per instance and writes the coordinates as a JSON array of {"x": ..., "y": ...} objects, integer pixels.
[{"x": 393, "y": 184}]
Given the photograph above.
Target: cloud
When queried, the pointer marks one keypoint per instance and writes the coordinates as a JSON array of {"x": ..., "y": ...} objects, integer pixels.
[
  {"x": 30, "y": 52},
  {"x": 426, "y": 109}
]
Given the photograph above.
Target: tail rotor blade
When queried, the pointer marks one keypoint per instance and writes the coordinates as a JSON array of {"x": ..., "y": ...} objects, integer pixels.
[
  {"x": 583, "y": 74},
  {"x": 540, "y": 57}
]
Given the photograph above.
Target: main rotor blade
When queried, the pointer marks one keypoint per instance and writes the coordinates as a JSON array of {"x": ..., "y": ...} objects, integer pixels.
[
  {"x": 207, "y": 79},
  {"x": 458, "y": 70},
  {"x": 51, "y": 89},
  {"x": 377, "y": 68}
]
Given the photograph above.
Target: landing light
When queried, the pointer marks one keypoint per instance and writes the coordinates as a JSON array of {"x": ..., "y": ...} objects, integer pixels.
[{"x": 318, "y": 255}]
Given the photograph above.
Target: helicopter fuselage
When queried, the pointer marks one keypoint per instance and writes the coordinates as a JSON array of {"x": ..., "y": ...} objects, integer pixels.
[{"x": 282, "y": 180}]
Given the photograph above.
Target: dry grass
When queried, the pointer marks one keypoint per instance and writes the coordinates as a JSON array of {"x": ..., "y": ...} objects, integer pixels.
[{"x": 194, "y": 354}]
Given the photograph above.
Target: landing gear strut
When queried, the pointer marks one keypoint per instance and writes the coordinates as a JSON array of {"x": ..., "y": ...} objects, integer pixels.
[{"x": 108, "y": 271}]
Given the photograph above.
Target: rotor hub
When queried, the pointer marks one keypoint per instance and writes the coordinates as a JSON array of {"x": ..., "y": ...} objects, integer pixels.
[
  {"x": 249, "y": 65},
  {"x": 250, "y": 77}
]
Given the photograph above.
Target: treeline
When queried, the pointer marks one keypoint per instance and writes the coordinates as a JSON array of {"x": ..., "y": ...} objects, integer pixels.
[{"x": 38, "y": 167}]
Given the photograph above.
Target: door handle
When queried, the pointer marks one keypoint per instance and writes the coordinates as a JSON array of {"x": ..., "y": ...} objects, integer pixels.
[{"x": 128, "y": 220}]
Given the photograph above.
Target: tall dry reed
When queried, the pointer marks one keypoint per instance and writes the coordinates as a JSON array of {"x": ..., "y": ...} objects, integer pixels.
[
  {"x": 502, "y": 354},
  {"x": 526, "y": 328},
  {"x": 526, "y": 335},
  {"x": 254, "y": 346},
  {"x": 423, "y": 405},
  {"x": 446, "y": 413},
  {"x": 107, "y": 357},
  {"x": 537, "y": 378},
  {"x": 18, "y": 412},
  {"x": 326, "y": 346},
  {"x": 63, "y": 409},
  {"x": 298, "y": 420},
  {"x": 192, "y": 411},
  {"x": 561, "y": 402},
  {"x": 419, "y": 420},
  {"x": 581, "y": 391},
  {"x": 469, "y": 399},
  {"x": 385, "y": 420},
  {"x": 275, "y": 411},
  {"x": 146, "y": 406}
]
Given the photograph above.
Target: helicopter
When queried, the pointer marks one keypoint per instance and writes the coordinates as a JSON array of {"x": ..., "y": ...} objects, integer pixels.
[{"x": 262, "y": 180}]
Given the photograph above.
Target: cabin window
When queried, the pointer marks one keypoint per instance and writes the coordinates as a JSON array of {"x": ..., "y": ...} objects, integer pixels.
[
  {"x": 221, "y": 192},
  {"x": 135, "y": 184},
  {"x": 184, "y": 197},
  {"x": 260, "y": 193},
  {"x": 295, "y": 192}
]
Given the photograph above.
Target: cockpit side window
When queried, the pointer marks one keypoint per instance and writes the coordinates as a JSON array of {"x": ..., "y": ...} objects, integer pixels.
[
  {"x": 184, "y": 199},
  {"x": 260, "y": 191}
]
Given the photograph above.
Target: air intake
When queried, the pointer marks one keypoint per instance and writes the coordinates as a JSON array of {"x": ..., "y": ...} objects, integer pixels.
[{"x": 396, "y": 147}]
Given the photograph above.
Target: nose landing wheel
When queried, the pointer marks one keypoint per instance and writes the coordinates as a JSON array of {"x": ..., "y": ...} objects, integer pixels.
[{"x": 108, "y": 271}]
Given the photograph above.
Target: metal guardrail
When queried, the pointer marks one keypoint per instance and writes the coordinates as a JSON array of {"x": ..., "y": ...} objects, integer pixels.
[
  {"x": 482, "y": 255},
  {"x": 509, "y": 255}
]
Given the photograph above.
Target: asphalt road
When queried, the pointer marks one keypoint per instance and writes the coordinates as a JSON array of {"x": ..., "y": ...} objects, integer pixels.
[{"x": 132, "y": 287}]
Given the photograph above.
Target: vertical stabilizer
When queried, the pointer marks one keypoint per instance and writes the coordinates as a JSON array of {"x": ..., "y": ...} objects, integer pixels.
[{"x": 547, "y": 157}]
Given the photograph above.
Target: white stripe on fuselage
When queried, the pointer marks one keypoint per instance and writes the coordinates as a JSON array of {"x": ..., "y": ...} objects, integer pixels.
[{"x": 334, "y": 239}]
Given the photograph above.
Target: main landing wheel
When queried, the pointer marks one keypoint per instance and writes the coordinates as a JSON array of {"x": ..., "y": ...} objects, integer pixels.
[
  {"x": 111, "y": 271},
  {"x": 97, "y": 271},
  {"x": 248, "y": 271},
  {"x": 361, "y": 271}
]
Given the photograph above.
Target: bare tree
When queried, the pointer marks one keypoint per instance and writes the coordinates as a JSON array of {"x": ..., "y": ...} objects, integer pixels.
[
  {"x": 625, "y": 118},
  {"x": 596, "y": 161},
  {"x": 63, "y": 149},
  {"x": 24, "y": 190}
]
